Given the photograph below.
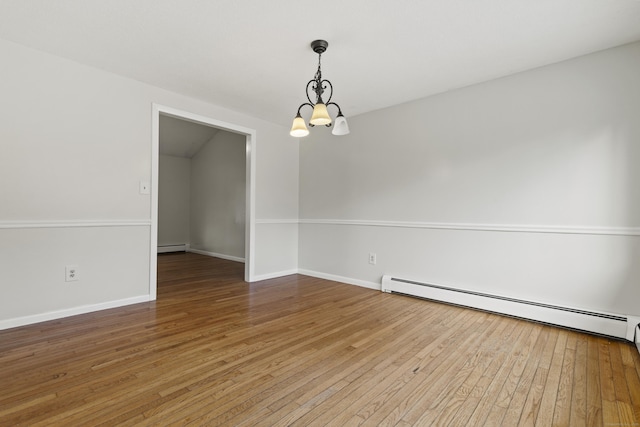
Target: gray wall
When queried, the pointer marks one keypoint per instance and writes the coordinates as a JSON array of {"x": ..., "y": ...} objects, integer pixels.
[
  {"x": 525, "y": 186},
  {"x": 218, "y": 196},
  {"x": 174, "y": 200}
]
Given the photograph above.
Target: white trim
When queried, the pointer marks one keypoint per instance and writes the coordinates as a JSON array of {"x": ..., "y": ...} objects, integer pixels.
[
  {"x": 250, "y": 202},
  {"x": 52, "y": 315},
  {"x": 342, "y": 279},
  {"x": 155, "y": 179},
  {"x": 75, "y": 223},
  {"x": 215, "y": 255},
  {"x": 615, "y": 231},
  {"x": 274, "y": 275},
  {"x": 172, "y": 248},
  {"x": 320, "y": 275},
  {"x": 277, "y": 221},
  {"x": 250, "y": 146}
]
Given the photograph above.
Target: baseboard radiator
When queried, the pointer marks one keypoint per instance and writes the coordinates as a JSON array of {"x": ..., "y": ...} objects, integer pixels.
[{"x": 619, "y": 326}]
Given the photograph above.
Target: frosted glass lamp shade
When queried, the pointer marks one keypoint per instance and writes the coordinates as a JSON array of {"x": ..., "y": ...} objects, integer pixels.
[
  {"x": 320, "y": 115},
  {"x": 299, "y": 128},
  {"x": 340, "y": 127}
]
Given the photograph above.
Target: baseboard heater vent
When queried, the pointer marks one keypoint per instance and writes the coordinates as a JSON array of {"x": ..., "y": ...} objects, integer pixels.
[{"x": 612, "y": 325}]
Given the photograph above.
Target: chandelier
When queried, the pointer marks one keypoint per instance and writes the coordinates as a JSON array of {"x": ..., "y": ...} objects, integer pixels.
[{"x": 320, "y": 115}]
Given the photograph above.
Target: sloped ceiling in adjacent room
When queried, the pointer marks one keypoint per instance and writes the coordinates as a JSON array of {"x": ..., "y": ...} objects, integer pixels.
[{"x": 181, "y": 138}]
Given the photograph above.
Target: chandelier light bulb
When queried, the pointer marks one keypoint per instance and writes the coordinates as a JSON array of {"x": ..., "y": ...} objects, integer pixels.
[
  {"x": 340, "y": 127},
  {"x": 299, "y": 128},
  {"x": 320, "y": 115}
]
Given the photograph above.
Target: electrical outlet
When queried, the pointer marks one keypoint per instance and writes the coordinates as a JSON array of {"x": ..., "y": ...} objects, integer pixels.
[
  {"x": 372, "y": 258},
  {"x": 71, "y": 273}
]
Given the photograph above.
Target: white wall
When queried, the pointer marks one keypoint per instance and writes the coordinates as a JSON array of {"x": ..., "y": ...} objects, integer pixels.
[
  {"x": 218, "y": 196},
  {"x": 276, "y": 208},
  {"x": 74, "y": 144},
  {"x": 525, "y": 186},
  {"x": 174, "y": 199}
]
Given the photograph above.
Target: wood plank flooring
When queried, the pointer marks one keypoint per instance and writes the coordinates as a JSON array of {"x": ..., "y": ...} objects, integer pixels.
[{"x": 300, "y": 351}]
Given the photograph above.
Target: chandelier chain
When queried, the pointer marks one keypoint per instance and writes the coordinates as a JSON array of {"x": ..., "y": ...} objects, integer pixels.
[{"x": 319, "y": 72}]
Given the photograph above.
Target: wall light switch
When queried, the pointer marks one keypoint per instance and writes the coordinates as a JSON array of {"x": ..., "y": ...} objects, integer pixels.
[{"x": 145, "y": 187}]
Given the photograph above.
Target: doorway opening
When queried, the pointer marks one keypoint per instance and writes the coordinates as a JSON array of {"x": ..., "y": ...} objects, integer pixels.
[{"x": 227, "y": 132}]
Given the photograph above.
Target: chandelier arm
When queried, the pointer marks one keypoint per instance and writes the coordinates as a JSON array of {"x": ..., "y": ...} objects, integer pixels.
[
  {"x": 302, "y": 105},
  {"x": 300, "y": 108},
  {"x": 315, "y": 90},
  {"x": 330, "y": 87},
  {"x": 337, "y": 106}
]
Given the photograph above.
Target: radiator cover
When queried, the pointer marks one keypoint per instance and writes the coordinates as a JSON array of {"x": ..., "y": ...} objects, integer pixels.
[{"x": 614, "y": 325}]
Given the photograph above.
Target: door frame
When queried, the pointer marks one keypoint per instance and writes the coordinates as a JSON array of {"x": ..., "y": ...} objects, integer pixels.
[{"x": 250, "y": 217}]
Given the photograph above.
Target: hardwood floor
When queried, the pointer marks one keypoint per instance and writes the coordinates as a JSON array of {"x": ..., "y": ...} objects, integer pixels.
[{"x": 301, "y": 351}]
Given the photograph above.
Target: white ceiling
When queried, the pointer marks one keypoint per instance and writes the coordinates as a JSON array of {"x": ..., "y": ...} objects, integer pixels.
[{"x": 253, "y": 56}]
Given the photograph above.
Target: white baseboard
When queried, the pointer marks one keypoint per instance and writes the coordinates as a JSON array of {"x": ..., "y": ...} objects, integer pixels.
[
  {"x": 59, "y": 314},
  {"x": 342, "y": 279},
  {"x": 333, "y": 277},
  {"x": 215, "y": 255},
  {"x": 274, "y": 275},
  {"x": 320, "y": 275},
  {"x": 172, "y": 248}
]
